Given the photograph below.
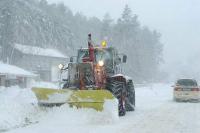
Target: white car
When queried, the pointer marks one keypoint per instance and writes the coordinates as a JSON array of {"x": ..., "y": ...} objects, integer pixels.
[{"x": 186, "y": 90}]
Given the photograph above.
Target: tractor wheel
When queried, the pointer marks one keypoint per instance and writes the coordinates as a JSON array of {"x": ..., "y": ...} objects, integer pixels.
[
  {"x": 118, "y": 89},
  {"x": 122, "y": 103},
  {"x": 130, "y": 99}
]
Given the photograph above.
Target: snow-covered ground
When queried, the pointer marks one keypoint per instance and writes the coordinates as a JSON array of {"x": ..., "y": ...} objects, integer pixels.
[{"x": 155, "y": 112}]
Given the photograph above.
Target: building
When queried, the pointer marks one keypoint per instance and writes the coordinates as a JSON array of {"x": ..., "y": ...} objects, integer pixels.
[
  {"x": 41, "y": 61},
  {"x": 12, "y": 75}
]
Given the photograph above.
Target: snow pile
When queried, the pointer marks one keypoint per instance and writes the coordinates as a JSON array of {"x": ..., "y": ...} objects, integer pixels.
[
  {"x": 18, "y": 109},
  {"x": 39, "y": 51},
  {"x": 17, "y": 106},
  {"x": 156, "y": 93},
  {"x": 108, "y": 116},
  {"x": 57, "y": 98},
  {"x": 66, "y": 115}
]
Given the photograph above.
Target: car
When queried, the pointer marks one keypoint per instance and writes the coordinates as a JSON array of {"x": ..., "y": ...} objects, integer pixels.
[{"x": 186, "y": 90}]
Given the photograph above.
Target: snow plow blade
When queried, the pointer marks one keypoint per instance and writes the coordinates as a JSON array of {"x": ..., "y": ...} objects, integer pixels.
[{"x": 79, "y": 98}]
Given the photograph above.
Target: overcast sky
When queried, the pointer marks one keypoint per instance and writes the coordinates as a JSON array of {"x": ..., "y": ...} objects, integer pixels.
[{"x": 177, "y": 20}]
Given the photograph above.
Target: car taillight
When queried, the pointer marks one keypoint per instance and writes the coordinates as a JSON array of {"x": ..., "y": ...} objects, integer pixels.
[
  {"x": 195, "y": 89},
  {"x": 177, "y": 89}
]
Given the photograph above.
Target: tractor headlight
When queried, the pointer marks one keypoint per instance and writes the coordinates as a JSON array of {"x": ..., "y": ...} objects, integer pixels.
[
  {"x": 101, "y": 63},
  {"x": 60, "y": 66}
]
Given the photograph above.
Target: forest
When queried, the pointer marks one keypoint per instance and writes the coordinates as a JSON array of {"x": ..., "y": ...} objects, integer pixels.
[{"x": 38, "y": 23}]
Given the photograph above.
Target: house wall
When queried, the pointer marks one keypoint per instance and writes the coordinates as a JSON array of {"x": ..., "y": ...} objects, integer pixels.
[
  {"x": 2, "y": 80},
  {"x": 11, "y": 80},
  {"x": 55, "y": 73},
  {"x": 21, "y": 82},
  {"x": 44, "y": 66}
]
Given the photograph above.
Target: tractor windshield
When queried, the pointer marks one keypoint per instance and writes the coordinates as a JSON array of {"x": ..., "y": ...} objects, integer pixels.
[{"x": 105, "y": 55}]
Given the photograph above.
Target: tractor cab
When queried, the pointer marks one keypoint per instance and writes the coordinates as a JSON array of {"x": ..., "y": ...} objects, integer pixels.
[
  {"x": 86, "y": 72},
  {"x": 92, "y": 79},
  {"x": 103, "y": 57},
  {"x": 93, "y": 65}
]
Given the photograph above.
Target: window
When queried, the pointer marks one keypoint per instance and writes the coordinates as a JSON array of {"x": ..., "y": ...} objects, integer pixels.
[{"x": 187, "y": 82}]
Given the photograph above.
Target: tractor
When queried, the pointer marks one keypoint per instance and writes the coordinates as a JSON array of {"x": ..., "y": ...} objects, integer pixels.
[{"x": 93, "y": 76}]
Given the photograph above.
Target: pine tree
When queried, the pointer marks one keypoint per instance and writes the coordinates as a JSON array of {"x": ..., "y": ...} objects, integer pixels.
[
  {"x": 37, "y": 23},
  {"x": 106, "y": 29},
  {"x": 6, "y": 29}
]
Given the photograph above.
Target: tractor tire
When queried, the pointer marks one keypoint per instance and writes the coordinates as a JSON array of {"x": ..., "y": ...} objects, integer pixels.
[
  {"x": 118, "y": 89},
  {"x": 130, "y": 99},
  {"x": 122, "y": 103}
]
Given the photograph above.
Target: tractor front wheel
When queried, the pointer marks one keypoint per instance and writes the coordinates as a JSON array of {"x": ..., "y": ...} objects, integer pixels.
[
  {"x": 122, "y": 104},
  {"x": 130, "y": 99},
  {"x": 118, "y": 89}
]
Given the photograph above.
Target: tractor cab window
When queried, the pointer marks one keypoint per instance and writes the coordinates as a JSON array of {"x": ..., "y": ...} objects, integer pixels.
[
  {"x": 82, "y": 53},
  {"x": 103, "y": 55}
]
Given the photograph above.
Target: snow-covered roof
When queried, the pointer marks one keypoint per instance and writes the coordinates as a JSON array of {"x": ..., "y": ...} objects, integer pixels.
[
  {"x": 39, "y": 51},
  {"x": 6, "y": 69}
]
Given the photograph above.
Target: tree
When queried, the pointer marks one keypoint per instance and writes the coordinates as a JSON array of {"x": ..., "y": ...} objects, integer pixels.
[
  {"x": 37, "y": 23},
  {"x": 106, "y": 29},
  {"x": 43, "y": 3},
  {"x": 141, "y": 44},
  {"x": 6, "y": 29}
]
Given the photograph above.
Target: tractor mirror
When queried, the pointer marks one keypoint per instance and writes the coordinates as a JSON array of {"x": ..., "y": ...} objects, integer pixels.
[
  {"x": 124, "y": 58},
  {"x": 71, "y": 59}
]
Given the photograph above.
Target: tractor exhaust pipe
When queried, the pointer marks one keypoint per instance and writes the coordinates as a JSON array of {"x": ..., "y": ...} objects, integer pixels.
[
  {"x": 89, "y": 40},
  {"x": 90, "y": 48}
]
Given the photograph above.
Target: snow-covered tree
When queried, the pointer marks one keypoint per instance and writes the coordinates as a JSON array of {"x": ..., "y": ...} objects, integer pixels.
[
  {"x": 106, "y": 30},
  {"x": 38, "y": 23}
]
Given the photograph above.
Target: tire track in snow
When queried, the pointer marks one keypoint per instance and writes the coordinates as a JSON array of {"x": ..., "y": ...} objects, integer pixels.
[{"x": 170, "y": 117}]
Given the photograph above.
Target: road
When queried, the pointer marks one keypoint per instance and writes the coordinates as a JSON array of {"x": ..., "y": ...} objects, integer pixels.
[{"x": 155, "y": 112}]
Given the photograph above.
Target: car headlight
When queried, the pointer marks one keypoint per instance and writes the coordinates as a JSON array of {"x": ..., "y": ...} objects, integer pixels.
[{"x": 101, "y": 63}]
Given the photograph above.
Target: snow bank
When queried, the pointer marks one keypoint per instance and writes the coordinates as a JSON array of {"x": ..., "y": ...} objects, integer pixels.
[
  {"x": 157, "y": 94},
  {"x": 155, "y": 112},
  {"x": 66, "y": 115},
  {"x": 17, "y": 106}
]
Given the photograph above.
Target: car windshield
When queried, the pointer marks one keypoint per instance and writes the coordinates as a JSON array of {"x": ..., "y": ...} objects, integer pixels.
[{"x": 187, "y": 82}]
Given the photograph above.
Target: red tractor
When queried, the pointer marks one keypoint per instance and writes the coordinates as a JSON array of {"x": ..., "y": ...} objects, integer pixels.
[
  {"x": 99, "y": 67},
  {"x": 92, "y": 79}
]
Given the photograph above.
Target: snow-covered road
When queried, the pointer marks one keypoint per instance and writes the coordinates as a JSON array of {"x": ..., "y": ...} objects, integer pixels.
[{"x": 155, "y": 112}]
